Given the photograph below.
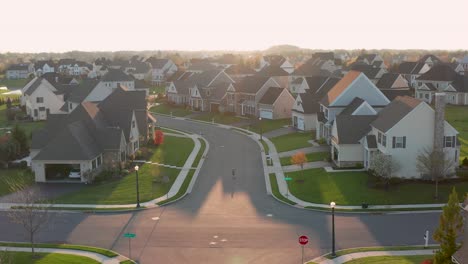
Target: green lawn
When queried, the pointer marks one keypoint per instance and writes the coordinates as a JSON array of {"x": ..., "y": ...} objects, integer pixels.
[
  {"x": 366, "y": 249},
  {"x": 102, "y": 251},
  {"x": 351, "y": 188},
  {"x": 267, "y": 125},
  {"x": 390, "y": 260},
  {"x": 457, "y": 116},
  {"x": 157, "y": 89},
  {"x": 165, "y": 108},
  {"x": 182, "y": 189},
  {"x": 174, "y": 151},
  {"x": 13, "y": 179},
  {"x": 48, "y": 258},
  {"x": 17, "y": 83},
  {"x": 265, "y": 146},
  {"x": 27, "y": 126},
  {"x": 316, "y": 156},
  {"x": 225, "y": 119},
  {"x": 200, "y": 153},
  {"x": 275, "y": 190},
  {"x": 292, "y": 141}
]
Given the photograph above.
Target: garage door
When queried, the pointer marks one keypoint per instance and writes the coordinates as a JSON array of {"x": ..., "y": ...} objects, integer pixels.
[
  {"x": 300, "y": 124},
  {"x": 267, "y": 114}
]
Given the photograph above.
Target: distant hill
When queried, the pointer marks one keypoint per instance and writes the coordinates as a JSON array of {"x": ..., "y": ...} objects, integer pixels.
[{"x": 283, "y": 49}]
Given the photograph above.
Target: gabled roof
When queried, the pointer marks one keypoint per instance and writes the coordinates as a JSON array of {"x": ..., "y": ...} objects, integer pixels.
[
  {"x": 369, "y": 70},
  {"x": 79, "y": 92},
  {"x": 311, "y": 68},
  {"x": 114, "y": 75},
  {"x": 201, "y": 66},
  {"x": 18, "y": 67},
  {"x": 324, "y": 55},
  {"x": 216, "y": 91},
  {"x": 409, "y": 67},
  {"x": 387, "y": 80},
  {"x": 439, "y": 72},
  {"x": 461, "y": 83},
  {"x": 277, "y": 60},
  {"x": 271, "y": 95},
  {"x": 157, "y": 63},
  {"x": 273, "y": 70},
  {"x": 39, "y": 64},
  {"x": 355, "y": 103},
  {"x": 368, "y": 57},
  {"x": 394, "y": 112},
  {"x": 251, "y": 84},
  {"x": 33, "y": 86},
  {"x": 340, "y": 87},
  {"x": 432, "y": 57},
  {"x": 352, "y": 128},
  {"x": 391, "y": 94},
  {"x": 239, "y": 70},
  {"x": 319, "y": 86}
]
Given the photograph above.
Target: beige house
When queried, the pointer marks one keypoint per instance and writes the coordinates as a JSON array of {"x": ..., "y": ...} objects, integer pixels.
[{"x": 276, "y": 103}]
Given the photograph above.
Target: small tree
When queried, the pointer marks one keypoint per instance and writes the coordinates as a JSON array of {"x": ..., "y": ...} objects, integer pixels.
[
  {"x": 384, "y": 166},
  {"x": 158, "y": 137},
  {"x": 5, "y": 257},
  {"x": 450, "y": 227},
  {"x": 20, "y": 137},
  {"x": 299, "y": 159},
  {"x": 30, "y": 216},
  {"x": 436, "y": 165},
  {"x": 8, "y": 102}
]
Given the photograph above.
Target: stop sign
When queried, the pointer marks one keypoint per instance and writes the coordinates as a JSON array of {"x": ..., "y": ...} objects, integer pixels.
[{"x": 303, "y": 240}]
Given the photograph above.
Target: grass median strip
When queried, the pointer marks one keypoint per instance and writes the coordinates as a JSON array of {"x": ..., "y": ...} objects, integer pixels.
[
  {"x": 182, "y": 190},
  {"x": 275, "y": 190},
  {"x": 367, "y": 249},
  {"x": 102, "y": 251},
  {"x": 46, "y": 258},
  {"x": 311, "y": 157},
  {"x": 200, "y": 153},
  {"x": 391, "y": 260}
]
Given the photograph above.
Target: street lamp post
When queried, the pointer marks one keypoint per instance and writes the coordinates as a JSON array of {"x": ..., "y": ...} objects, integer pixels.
[
  {"x": 137, "y": 187},
  {"x": 261, "y": 132},
  {"x": 332, "y": 205}
]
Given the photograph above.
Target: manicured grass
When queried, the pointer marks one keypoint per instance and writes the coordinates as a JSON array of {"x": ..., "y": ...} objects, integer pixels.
[
  {"x": 123, "y": 191},
  {"x": 182, "y": 189},
  {"x": 48, "y": 258},
  {"x": 267, "y": 125},
  {"x": 390, "y": 260},
  {"x": 157, "y": 89},
  {"x": 275, "y": 190},
  {"x": 102, "y": 251},
  {"x": 316, "y": 156},
  {"x": 351, "y": 188},
  {"x": 200, "y": 153},
  {"x": 292, "y": 141},
  {"x": 127, "y": 262},
  {"x": 14, "y": 179},
  {"x": 174, "y": 131},
  {"x": 174, "y": 151},
  {"x": 16, "y": 83},
  {"x": 165, "y": 108},
  {"x": 225, "y": 119},
  {"x": 457, "y": 116},
  {"x": 265, "y": 146},
  {"x": 27, "y": 126},
  {"x": 365, "y": 249}
]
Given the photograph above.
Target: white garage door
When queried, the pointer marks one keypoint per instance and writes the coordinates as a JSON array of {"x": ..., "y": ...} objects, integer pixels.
[
  {"x": 267, "y": 114},
  {"x": 300, "y": 124}
]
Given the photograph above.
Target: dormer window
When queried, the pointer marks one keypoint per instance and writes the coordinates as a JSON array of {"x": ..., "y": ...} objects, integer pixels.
[{"x": 133, "y": 124}]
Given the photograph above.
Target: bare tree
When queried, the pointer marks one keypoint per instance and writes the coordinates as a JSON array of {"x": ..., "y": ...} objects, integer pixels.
[
  {"x": 436, "y": 165},
  {"x": 384, "y": 166},
  {"x": 29, "y": 214}
]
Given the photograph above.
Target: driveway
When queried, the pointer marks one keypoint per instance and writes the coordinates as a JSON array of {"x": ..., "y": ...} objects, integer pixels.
[{"x": 228, "y": 219}]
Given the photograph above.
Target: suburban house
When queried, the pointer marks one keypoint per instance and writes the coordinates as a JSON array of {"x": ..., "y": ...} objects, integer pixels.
[
  {"x": 276, "y": 60},
  {"x": 161, "y": 69},
  {"x": 94, "y": 137},
  {"x": 20, "y": 71},
  {"x": 237, "y": 72},
  {"x": 108, "y": 83},
  {"x": 464, "y": 63},
  {"x": 276, "y": 103},
  {"x": 43, "y": 66},
  {"x": 393, "y": 85},
  {"x": 401, "y": 130},
  {"x": 74, "y": 67},
  {"x": 321, "y": 63},
  {"x": 412, "y": 70},
  {"x": 186, "y": 91},
  {"x": 352, "y": 85},
  {"x": 373, "y": 59},
  {"x": 372, "y": 72},
  {"x": 277, "y": 73},
  {"x": 442, "y": 78},
  {"x": 306, "y": 106}
]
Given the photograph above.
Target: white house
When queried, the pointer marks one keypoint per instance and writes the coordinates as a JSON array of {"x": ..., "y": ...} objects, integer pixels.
[
  {"x": 44, "y": 67},
  {"x": 109, "y": 83},
  {"x": 20, "y": 71},
  {"x": 161, "y": 69},
  {"x": 403, "y": 130}
]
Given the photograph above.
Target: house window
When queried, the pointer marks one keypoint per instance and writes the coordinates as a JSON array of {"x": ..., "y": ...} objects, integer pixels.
[
  {"x": 93, "y": 165},
  {"x": 426, "y": 96},
  {"x": 99, "y": 161},
  {"x": 449, "y": 142},
  {"x": 42, "y": 109},
  {"x": 379, "y": 138},
  {"x": 133, "y": 124},
  {"x": 384, "y": 140},
  {"x": 40, "y": 100},
  {"x": 135, "y": 145},
  {"x": 399, "y": 142},
  {"x": 298, "y": 103},
  {"x": 35, "y": 112}
]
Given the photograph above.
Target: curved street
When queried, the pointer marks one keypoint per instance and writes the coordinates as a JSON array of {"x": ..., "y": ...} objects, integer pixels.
[{"x": 226, "y": 219}]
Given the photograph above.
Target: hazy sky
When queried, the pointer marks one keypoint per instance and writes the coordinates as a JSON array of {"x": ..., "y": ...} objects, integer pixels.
[{"x": 57, "y": 25}]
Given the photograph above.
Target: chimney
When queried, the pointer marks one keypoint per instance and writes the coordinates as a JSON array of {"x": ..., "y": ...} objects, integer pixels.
[{"x": 439, "y": 119}]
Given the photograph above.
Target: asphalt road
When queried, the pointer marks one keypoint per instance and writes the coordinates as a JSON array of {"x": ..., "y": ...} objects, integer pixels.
[{"x": 227, "y": 220}]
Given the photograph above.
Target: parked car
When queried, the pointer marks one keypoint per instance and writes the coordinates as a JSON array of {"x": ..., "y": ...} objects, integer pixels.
[{"x": 75, "y": 174}]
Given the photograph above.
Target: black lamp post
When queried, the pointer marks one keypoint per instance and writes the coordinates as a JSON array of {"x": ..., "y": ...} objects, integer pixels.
[
  {"x": 137, "y": 187},
  {"x": 261, "y": 130},
  {"x": 332, "y": 205}
]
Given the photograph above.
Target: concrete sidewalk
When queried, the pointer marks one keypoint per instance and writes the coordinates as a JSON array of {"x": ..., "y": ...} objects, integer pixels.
[
  {"x": 358, "y": 255},
  {"x": 91, "y": 255},
  {"x": 308, "y": 165}
]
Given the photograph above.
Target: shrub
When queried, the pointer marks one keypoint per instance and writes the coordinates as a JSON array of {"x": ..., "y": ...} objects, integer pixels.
[
  {"x": 465, "y": 162},
  {"x": 158, "y": 137},
  {"x": 427, "y": 261},
  {"x": 462, "y": 173},
  {"x": 322, "y": 141}
]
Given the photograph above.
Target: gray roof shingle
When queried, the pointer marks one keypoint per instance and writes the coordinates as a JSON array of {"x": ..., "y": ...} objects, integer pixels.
[
  {"x": 271, "y": 95},
  {"x": 394, "y": 112}
]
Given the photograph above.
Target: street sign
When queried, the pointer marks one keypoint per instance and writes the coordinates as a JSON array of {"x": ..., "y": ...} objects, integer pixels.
[
  {"x": 303, "y": 240},
  {"x": 129, "y": 235},
  {"x": 288, "y": 179}
]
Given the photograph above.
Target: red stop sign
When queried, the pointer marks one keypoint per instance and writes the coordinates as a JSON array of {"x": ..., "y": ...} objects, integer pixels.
[{"x": 303, "y": 240}]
